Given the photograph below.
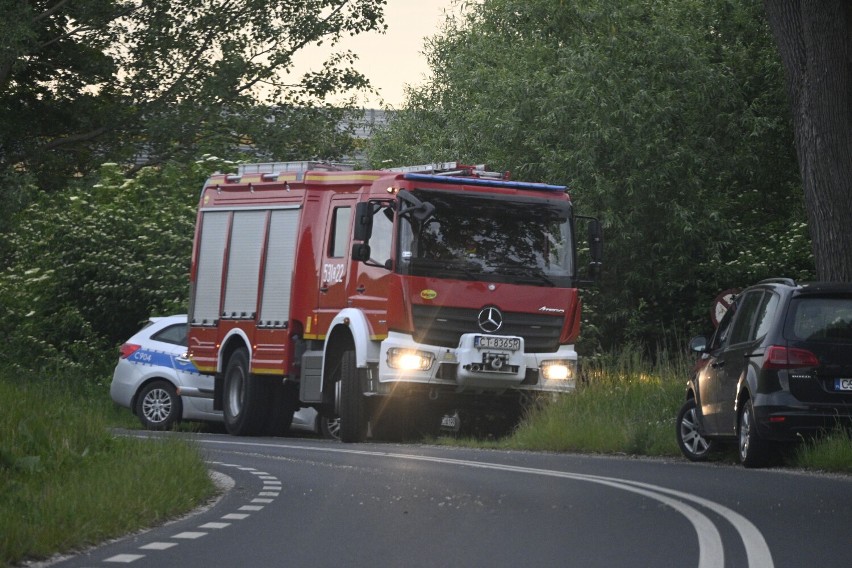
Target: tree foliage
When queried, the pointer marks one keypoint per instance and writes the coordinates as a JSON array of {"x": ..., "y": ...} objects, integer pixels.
[
  {"x": 667, "y": 119},
  {"x": 94, "y": 261},
  {"x": 815, "y": 42},
  {"x": 145, "y": 81}
]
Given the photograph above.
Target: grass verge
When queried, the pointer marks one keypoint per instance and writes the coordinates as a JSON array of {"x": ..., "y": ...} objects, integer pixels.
[
  {"x": 67, "y": 483},
  {"x": 831, "y": 453}
]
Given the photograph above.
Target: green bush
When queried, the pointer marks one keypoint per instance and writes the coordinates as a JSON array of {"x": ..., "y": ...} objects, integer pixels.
[{"x": 89, "y": 264}]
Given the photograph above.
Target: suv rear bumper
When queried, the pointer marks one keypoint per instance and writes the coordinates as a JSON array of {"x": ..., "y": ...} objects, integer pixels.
[{"x": 786, "y": 424}]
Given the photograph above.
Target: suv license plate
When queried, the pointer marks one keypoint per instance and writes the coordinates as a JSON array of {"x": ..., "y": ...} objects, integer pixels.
[
  {"x": 489, "y": 342},
  {"x": 843, "y": 384}
]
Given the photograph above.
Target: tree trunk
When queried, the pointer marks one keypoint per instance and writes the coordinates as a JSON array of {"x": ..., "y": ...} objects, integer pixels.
[{"x": 813, "y": 38}]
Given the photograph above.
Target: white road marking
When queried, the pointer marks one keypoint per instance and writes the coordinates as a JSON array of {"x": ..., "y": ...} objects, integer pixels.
[
  {"x": 125, "y": 558},
  {"x": 235, "y": 516},
  {"x": 214, "y": 525},
  {"x": 190, "y": 535},
  {"x": 158, "y": 545}
]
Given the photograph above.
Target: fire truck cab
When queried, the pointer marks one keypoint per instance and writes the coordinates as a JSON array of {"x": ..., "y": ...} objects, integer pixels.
[{"x": 389, "y": 298}]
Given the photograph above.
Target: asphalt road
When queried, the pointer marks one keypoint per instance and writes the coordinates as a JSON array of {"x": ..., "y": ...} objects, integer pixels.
[{"x": 313, "y": 502}]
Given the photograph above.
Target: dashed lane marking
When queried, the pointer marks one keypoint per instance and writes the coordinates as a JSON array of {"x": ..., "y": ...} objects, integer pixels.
[{"x": 271, "y": 488}]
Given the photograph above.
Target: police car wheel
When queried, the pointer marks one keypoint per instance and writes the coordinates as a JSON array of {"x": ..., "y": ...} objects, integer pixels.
[
  {"x": 329, "y": 427},
  {"x": 158, "y": 406}
]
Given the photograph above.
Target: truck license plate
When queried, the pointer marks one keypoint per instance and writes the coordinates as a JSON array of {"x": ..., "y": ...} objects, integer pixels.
[
  {"x": 843, "y": 384},
  {"x": 493, "y": 342}
]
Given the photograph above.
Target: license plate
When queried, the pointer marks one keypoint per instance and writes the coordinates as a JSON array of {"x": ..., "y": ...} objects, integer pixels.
[
  {"x": 491, "y": 342},
  {"x": 843, "y": 384}
]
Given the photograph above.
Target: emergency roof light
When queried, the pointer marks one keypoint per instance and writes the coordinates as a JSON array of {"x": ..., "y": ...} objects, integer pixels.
[{"x": 529, "y": 186}]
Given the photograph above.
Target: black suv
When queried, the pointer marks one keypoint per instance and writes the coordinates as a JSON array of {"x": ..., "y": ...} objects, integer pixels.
[{"x": 777, "y": 368}]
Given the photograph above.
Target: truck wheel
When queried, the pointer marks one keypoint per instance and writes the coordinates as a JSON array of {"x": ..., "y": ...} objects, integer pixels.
[
  {"x": 158, "y": 406},
  {"x": 754, "y": 451},
  {"x": 692, "y": 444},
  {"x": 353, "y": 404},
  {"x": 244, "y": 400}
]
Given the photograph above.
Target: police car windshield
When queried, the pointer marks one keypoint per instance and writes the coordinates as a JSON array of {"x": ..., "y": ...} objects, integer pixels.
[{"x": 518, "y": 240}]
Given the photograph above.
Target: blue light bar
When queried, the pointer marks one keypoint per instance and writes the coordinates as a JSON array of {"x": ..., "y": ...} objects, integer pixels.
[{"x": 486, "y": 182}]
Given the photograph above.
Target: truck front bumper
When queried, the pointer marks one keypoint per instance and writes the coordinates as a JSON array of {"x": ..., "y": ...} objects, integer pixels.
[{"x": 480, "y": 363}]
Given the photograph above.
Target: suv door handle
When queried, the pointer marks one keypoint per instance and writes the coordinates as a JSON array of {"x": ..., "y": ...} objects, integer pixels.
[{"x": 718, "y": 364}]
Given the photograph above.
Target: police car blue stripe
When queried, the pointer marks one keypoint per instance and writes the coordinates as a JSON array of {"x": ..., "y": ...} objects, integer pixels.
[{"x": 161, "y": 359}]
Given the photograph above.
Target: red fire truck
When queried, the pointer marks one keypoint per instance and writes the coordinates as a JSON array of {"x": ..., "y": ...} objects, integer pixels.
[{"x": 388, "y": 298}]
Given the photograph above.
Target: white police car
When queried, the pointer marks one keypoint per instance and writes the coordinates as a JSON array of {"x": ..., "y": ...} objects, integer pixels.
[{"x": 153, "y": 365}]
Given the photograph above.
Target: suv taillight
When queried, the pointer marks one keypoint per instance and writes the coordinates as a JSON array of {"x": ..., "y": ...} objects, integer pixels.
[
  {"x": 780, "y": 357},
  {"x": 128, "y": 349}
]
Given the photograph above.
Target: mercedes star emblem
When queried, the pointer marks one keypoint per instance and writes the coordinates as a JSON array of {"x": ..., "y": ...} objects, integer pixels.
[{"x": 490, "y": 320}]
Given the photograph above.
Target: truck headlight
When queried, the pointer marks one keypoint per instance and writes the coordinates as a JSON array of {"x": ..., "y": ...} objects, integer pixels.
[
  {"x": 558, "y": 370},
  {"x": 409, "y": 359}
]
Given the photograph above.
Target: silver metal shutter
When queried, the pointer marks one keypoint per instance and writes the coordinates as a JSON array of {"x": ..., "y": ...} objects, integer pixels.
[
  {"x": 281, "y": 256},
  {"x": 211, "y": 252},
  {"x": 247, "y": 236}
]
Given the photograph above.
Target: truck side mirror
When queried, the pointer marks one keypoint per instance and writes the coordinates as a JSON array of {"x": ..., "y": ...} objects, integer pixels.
[
  {"x": 364, "y": 212},
  {"x": 413, "y": 208},
  {"x": 361, "y": 252}
]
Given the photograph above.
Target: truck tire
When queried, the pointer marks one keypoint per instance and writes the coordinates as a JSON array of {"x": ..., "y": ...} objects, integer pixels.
[
  {"x": 353, "y": 404},
  {"x": 244, "y": 398}
]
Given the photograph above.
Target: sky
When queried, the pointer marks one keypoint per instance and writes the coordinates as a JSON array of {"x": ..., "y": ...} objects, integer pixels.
[{"x": 394, "y": 59}]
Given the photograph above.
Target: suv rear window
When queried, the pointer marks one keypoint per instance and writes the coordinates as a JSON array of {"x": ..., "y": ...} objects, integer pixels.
[{"x": 820, "y": 319}]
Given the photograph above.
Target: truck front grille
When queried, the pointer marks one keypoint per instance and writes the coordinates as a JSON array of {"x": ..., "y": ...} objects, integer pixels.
[{"x": 442, "y": 326}]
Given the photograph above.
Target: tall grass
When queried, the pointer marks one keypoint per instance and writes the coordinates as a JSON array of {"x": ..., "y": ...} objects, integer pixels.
[
  {"x": 831, "y": 453},
  {"x": 625, "y": 404},
  {"x": 66, "y": 482}
]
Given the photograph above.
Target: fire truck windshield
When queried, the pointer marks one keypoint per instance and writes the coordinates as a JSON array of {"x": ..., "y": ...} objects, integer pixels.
[{"x": 520, "y": 240}]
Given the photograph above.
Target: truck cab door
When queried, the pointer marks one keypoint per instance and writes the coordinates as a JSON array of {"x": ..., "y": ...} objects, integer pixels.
[
  {"x": 368, "y": 287},
  {"x": 335, "y": 262}
]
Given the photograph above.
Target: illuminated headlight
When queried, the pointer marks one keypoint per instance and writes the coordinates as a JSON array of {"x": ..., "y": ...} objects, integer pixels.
[
  {"x": 558, "y": 370},
  {"x": 409, "y": 359}
]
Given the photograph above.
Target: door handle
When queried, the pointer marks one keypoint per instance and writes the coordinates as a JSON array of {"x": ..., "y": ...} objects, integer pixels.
[
  {"x": 361, "y": 289},
  {"x": 323, "y": 289},
  {"x": 718, "y": 364}
]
